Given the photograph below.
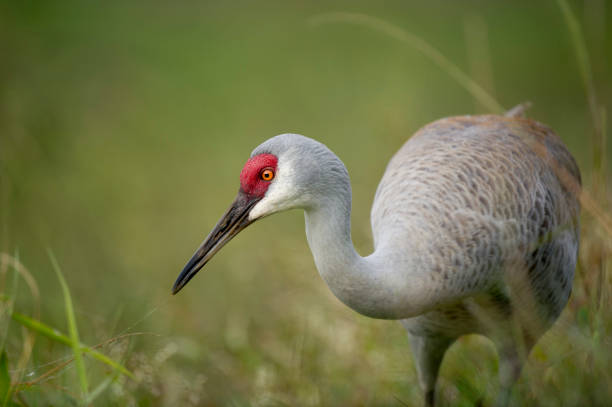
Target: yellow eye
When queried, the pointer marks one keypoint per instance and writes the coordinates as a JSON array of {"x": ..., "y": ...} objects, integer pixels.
[{"x": 267, "y": 174}]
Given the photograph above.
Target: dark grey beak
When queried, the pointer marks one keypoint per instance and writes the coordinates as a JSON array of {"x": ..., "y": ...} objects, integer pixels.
[{"x": 235, "y": 219}]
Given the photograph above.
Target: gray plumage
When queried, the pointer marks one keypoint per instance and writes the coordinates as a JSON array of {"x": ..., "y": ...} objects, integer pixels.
[
  {"x": 493, "y": 204},
  {"x": 473, "y": 229},
  {"x": 475, "y": 226}
]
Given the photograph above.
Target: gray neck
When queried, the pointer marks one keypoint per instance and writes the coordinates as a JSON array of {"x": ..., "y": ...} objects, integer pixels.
[{"x": 369, "y": 285}]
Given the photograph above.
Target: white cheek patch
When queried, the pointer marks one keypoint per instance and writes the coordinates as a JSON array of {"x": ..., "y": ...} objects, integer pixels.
[{"x": 281, "y": 194}]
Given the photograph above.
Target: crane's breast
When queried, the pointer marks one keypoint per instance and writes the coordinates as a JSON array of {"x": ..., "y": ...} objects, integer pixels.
[{"x": 465, "y": 194}]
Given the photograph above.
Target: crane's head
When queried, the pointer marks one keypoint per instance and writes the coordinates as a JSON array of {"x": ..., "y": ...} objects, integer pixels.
[{"x": 285, "y": 172}]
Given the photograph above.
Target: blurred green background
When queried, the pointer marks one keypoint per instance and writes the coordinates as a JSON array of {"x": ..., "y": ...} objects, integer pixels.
[{"x": 123, "y": 128}]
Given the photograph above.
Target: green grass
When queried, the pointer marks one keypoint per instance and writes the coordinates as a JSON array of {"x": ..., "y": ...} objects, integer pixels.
[
  {"x": 9, "y": 389},
  {"x": 122, "y": 133},
  {"x": 73, "y": 341},
  {"x": 77, "y": 347}
]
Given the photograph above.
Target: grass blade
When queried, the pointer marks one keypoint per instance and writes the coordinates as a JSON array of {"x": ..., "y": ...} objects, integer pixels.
[
  {"x": 57, "y": 336},
  {"x": 72, "y": 327},
  {"x": 586, "y": 74},
  {"x": 19, "y": 273},
  {"x": 7, "y": 300},
  {"x": 100, "y": 388},
  {"x": 416, "y": 42},
  {"x": 5, "y": 380}
]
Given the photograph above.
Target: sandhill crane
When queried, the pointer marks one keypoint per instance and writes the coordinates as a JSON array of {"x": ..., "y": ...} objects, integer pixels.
[{"x": 475, "y": 226}]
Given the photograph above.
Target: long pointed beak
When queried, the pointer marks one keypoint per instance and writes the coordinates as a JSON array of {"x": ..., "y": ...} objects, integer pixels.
[{"x": 232, "y": 222}]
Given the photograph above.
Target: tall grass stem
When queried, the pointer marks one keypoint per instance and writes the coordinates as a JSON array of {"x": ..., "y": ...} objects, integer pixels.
[
  {"x": 416, "y": 42},
  {"x": 72, "y": 328},
  {"x": 586, "y": 74}
]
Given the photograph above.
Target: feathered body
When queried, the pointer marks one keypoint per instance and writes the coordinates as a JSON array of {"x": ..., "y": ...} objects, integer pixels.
[
  {"x": 475, "y": 226},
  {"x": 480, "y": 198},
  {"x": 490, "y": 207}
]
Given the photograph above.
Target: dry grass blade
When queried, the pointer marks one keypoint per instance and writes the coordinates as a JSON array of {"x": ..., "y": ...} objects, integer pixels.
[
  {"x": 7, "y": 302},
  {"x": 586, "y": 73},
  {"x": 419, "y": 44},
  {"x": 7, "y": 261},
  {"x": 598, "y": 118},
  {"x": 57, "y": 336}
]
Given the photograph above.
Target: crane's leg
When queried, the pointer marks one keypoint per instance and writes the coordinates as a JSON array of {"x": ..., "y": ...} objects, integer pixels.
[
  {"x": 510, "y": 365},
  {"x": 513, "y": 351},
  {"x": 428, "y": 351}
]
